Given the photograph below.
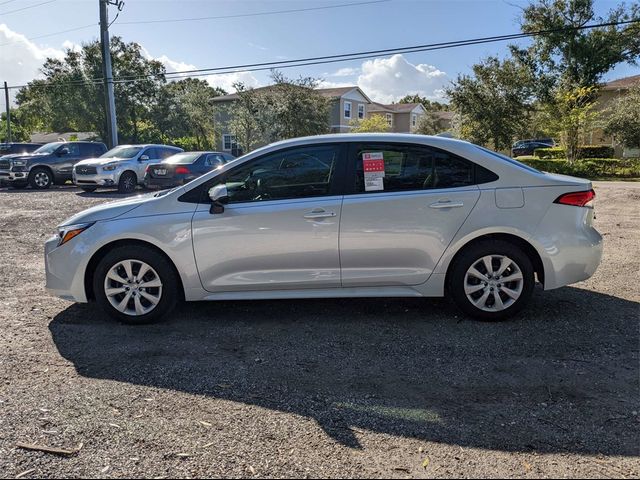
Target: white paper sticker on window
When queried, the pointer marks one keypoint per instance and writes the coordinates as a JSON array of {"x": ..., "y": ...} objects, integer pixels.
[{"x": 373, "y": 165}]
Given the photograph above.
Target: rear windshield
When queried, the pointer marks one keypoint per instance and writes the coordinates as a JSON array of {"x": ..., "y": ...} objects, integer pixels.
[
  {"x": 182, "y": 158},
  {"x": 122, "y": 152},
  {"x": 509, "y": 160}
]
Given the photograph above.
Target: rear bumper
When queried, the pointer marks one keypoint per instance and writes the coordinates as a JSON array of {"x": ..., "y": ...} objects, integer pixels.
[{"x": 153, "y": 182}]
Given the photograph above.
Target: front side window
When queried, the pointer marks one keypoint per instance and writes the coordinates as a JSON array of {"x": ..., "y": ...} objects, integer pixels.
[
  {"x": 73, "y": 149},
  {"x": 361, "y": 111},
  {"x": 397, "y": 168},
  {"x": 49, "y": 147},
  {"x": 288, "y": 174},
  {"x": 347, "y": 109}
]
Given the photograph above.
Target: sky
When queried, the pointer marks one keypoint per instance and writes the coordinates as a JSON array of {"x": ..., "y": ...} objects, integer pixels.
[{"x": 248, "y": 35}]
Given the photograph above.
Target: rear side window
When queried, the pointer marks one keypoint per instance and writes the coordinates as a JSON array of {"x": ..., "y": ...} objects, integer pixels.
[
  {"x": 153, "y": 153},
  {"x": 167, "y": 152},
  {"x": 397, "y": 168}
]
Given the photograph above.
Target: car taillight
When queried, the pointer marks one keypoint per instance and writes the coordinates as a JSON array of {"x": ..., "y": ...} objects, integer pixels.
[
  {"x": 182, "y": 170},
  {"x": 577, "y": 199}
]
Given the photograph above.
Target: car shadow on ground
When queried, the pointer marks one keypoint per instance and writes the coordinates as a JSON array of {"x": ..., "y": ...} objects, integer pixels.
[{"x": 562, "y": 377}]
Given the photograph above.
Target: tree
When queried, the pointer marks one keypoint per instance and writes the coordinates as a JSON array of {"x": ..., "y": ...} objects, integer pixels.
[
  {"x": 248, "y": 117},
  {"x": 428, "y": 124},
  {"x": 20, "y": 131},
  {"x": 429, "y": 105},
  {"x": 623, "y": 122},
  {"x": 570, "y": 115},
  {"x": 373, "y": 124},
  {"x": 570, "y": 57},
  {"x": 494, "y": 103}
]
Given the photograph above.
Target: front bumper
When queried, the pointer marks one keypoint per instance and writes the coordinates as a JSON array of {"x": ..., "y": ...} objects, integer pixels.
[
  {"x": 61, "y": 271},
  {"x": 100, "y": 179},
  {"x": 11, "y": 176}
]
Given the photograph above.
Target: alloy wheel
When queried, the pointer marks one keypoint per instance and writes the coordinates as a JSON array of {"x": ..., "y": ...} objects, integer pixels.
[
  {"x": 133, "y": 287},
  {"x": 493, "y": 283},
  {"x": 41, "y": 179}
]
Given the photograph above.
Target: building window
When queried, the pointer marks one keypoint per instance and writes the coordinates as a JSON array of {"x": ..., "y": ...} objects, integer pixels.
[
  {"x": 414, "y": 120},
  {"x": 361, "y": 111},
  {"x": 228, "y": 142},
  {"x": 389, "y": 119},
  {"x": 347, "y": 110}
]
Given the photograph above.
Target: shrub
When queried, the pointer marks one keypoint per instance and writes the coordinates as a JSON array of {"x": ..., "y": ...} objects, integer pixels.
[
  {"x": 589, "y": 168},
  {"x": 584, "y": 151}
]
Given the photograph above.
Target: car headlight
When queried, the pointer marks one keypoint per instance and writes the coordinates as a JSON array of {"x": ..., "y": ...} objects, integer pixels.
[
  {"x": 109, "y": 167},
  {"x": 67, "y": 232},
  {"x": 19, "y": 163}
]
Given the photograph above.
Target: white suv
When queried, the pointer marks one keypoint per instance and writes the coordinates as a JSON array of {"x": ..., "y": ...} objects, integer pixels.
[{"x": 122, "y": 167}]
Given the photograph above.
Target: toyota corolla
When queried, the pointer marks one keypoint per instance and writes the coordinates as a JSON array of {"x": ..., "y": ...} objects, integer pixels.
[{"x": 368, "y": 215}]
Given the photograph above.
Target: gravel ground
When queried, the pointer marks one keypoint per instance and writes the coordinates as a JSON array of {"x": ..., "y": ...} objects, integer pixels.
[{"x": 320, "y": 388}]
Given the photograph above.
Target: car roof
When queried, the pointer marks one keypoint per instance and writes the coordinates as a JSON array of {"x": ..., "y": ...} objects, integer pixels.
[{"x": 144, "y": 145}]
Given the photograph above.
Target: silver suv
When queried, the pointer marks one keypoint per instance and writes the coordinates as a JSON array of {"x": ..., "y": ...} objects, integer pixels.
[{"x": 122, "y": 167}]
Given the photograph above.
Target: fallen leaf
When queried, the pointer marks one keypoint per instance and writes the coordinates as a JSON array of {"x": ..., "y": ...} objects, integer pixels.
[
  {"x": 52, "y": 450},
  {"x": 252, "y": 470},
  {"x": 25, "y": 473},
  {"x": 105, "y": 469},
  {"x": 206, "y": 424},
  {"x": 115, "y": 425}
]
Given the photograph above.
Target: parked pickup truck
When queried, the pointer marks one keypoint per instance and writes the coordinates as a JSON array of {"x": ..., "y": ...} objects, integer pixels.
[{"x": 49, "y": 164}]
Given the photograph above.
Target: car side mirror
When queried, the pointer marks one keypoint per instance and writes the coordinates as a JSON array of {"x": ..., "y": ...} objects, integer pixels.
[
  {"x": 143, "y": 158},
  {"x": 63, "y": 151},
  {"x": 219, "y": 196}
]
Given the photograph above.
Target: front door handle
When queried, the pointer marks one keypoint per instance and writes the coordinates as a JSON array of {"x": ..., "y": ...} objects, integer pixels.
[
  {"x": 446, "y": 204},
  {"x": 319, "y": 213}
]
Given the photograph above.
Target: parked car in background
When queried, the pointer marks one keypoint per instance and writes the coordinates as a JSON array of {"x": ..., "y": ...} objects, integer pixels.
[
  {"x": 49, "y": 164},
  {"x": 183, "y": 167},
  {"x": 18, "y": 148},
  {"x": 347, "y": 215},
  {"x": 121, "y": 167},
  {"x": 526, "y": 147}
]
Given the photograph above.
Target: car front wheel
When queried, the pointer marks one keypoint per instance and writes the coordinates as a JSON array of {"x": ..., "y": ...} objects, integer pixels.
[
  {"x": 40, "y": 178},
  {"x": 135, "y": 285},
  {"x": 127, "y": 183},
  {"x": 492, "y": 280}
]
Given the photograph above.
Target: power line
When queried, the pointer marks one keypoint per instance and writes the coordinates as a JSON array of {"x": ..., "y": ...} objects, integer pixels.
[
  {"x": 257, "y": 14},
  {"x": 327, "y": 59},
  {"x": 26, "y": 8}
]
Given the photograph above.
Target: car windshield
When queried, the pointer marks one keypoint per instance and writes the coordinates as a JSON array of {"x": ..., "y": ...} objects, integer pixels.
[
  {"x": 509, "y": 159},
  {"x": 49, "y": 147},
  {"x": 182, "y": 158},
  {"x": 121, "y": 152}
]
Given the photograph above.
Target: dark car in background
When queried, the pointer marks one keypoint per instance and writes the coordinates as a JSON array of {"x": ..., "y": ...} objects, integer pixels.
[
  {"x": 49, "y": 164},
  {"x": 526, "y": 147},
  {"x": 183, "y": 167},
  {"x": 18, "y": 148}
]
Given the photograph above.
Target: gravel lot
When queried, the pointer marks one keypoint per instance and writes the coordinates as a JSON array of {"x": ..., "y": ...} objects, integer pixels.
[{"x": 320, "y": 388}]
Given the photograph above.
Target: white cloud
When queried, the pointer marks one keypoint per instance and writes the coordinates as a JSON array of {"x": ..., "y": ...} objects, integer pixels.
[
  {"x": 388, "y": 79},
  {"x": 344, "y": 72},
  {"x": 227, "y": 80},
  {"x": 329, "y": 84}
]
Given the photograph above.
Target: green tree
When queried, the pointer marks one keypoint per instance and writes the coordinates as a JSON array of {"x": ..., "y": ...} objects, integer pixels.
[
  {"x": 623, "y": 121},
  {"x": 493, "y": 103},
  {"x": 429, "y": 105},
  {"x": 373, "y": 124},
  {"x": 20, "y": 131},
  {"x": 428, "y": 124},
  {"x": 248, "y": 115}
]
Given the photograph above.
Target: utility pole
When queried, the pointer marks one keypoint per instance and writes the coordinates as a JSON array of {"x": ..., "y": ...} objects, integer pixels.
[
  {"x": 110, "y": 103},
  {"x": 6, "y": 99}
]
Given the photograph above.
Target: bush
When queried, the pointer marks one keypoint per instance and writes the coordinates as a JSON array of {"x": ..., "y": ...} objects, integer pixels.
[
  {"x": 584, "y": 151},
  {"x": 589, "y": 167}
]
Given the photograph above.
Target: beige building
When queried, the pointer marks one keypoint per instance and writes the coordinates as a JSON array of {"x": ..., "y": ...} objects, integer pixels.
[{"x": 401, "y": 117}]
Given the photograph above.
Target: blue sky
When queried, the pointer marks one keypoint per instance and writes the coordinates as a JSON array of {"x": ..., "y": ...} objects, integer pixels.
[{"x": 210, "y": 43}]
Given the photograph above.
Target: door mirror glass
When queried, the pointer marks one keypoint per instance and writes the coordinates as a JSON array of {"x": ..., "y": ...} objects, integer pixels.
[
  {"x": 219, "y": 197},
  {"x": 144, "y": 158}
]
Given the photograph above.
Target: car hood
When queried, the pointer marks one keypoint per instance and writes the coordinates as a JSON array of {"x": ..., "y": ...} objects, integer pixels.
[
  {"x": 109, "y": 210},
  {"x": 20, "y": 156},
  {"x": 101, "y": 161}
]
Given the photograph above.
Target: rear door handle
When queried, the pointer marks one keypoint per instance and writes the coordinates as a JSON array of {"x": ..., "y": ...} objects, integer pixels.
[
  {"x": 319, "y": 213},
  {"x": 446, "y": 204}
]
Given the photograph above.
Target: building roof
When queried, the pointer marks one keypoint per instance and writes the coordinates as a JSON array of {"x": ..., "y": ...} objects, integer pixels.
[
  {"x": 622, "y": 83},
  {"x": 43, "y": 137},
  {"x": 327, "y": 92},
  {"x": 394, "y": 107}
]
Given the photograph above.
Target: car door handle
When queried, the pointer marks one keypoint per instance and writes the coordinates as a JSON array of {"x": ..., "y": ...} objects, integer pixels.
[
  {"x": 319, "y": 213},
  {"x": 446, "y": 204}
]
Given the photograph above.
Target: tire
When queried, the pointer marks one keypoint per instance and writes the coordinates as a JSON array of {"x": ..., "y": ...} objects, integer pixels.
[
  {"x": 88, "y": 189},
  {"x": 487, "y": 297},
  {"x": 18, "y": 185},
  {"x": 127, "y": 183},
  {"x": 159, "y": 272},
  {"x": 40, "y": 178}
]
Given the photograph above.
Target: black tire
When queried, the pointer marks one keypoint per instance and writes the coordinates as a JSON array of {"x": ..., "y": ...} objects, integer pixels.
[
  {"x": 158, "y": 262},
  {"x": 89, "y": 189},
  {"x": 18, "y": 185},
  {"x": 40, "y": 178},
  {"x": 473, "y": 254},
  {"x": 128, "y": 182}
]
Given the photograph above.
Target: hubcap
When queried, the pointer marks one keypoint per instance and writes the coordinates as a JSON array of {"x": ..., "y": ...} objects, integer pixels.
[
  {"x": 133, "y": 287},
  {"x": 42, "y": 179},
  {"x": 493, "y": 283}
]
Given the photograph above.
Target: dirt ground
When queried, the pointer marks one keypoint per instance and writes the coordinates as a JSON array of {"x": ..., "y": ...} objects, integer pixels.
[{"x": 320, "y": 388}]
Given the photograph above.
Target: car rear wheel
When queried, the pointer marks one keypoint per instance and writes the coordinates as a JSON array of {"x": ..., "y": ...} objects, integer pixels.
[
  {"x": 491, "y": 280},
  {"x": 135, "y": 285},
  {"x": 40, "y": 178},
  {"x": 127, "y": 183}
]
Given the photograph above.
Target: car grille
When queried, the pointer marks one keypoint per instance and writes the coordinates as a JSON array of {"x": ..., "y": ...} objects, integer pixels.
[
  {"x": 4, "y": 164},
  {"x": 86, "y": 170}
]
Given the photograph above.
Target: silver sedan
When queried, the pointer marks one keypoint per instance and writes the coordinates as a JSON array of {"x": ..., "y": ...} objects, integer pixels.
[{"x": 368, "y": 215}]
